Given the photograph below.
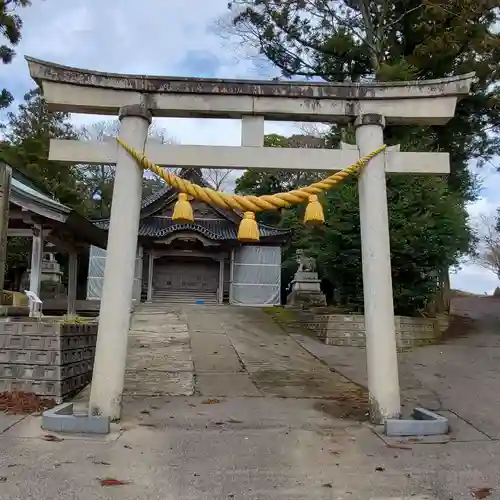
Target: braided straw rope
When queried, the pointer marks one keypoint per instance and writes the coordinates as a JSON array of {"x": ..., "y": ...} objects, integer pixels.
[{"x": 248, "y": 203}]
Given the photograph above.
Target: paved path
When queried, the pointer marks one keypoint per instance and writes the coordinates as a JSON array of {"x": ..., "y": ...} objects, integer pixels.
[
  {"x": 460, "y": 376},
  {"x": 183, "y": 448},
  {"x": 238, "y": 351},
  {"x": 266, "y": 422},
  {"x": 159, "y": 360}
]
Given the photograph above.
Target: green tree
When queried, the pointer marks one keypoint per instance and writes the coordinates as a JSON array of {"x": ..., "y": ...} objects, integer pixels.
[
  {"x": 261, "y": 182},
  {"x": 10, "y": 29},
  {"x": 363, "y": 40},
  {"x": 27, "y": 133},
  {"x": 426, "y": 227},
  {"x": 359, "y": 40}
]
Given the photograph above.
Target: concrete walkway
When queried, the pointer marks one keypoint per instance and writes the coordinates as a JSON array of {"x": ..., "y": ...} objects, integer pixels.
[
  {"x": 268, "y": 421},
  {"x": 238, "y": 351},
  {"x": 460, "y": 377},
  {"x": 159, "y": 360}
]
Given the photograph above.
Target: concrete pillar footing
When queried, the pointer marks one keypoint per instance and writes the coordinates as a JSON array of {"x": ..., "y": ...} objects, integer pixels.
[
  {"x": 62, "y": 418},
  {"x": 424, "y": 423}
]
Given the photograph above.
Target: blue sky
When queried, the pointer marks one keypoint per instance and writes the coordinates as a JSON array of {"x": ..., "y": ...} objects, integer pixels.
[{"x": 171, "y": 37}]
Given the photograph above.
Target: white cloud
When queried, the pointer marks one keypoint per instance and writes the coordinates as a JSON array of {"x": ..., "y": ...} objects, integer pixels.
[
  {"x": 472, "y": 277},
  {"x": 148, "y": 37},
  {"x": 475, "y": 279},
  {"x": 483, "y": 206}
]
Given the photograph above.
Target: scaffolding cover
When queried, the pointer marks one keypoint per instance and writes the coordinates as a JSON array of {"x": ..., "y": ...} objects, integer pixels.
[
  {"x": 256, "y": 276},
  {"x": 95, "y": 281}
]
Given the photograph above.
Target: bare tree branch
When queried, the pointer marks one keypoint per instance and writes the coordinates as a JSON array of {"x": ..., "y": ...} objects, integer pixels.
[
  {"x": 100, "y": 178},
  {"x": 488, "y": 254},
  {"x": 218, "y": 178}
]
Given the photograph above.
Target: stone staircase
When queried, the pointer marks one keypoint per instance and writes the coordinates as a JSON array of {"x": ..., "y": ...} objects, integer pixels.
[{"x": 184, "y": 297}]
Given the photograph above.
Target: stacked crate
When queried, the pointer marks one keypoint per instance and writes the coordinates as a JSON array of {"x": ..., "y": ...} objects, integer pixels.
[{"x": 48, "y": 358}]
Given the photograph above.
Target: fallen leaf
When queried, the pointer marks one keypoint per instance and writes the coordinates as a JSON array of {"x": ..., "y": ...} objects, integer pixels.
[
  {"x": 127, "y": 446},
  {"x": 210, "y": 402},
  {"x": 328, "y": 485},
  {"x": 192, "y": 405},
  {"x": 13, "y": 465},
  {"x": 235, "y": 421},
  {"x": 100, "y": 462},
  {"x": 153, "y": 407},
  {"x": 58, "y": 464},
  {"x": 482, "y": 492},
  {"x": 109, "y": 481},
  {"x": 146, "y": 412},
  {"x": 51, "y": 437},
  {"x": 379, "y": 469},
  {"x": 399, "y": 446}
]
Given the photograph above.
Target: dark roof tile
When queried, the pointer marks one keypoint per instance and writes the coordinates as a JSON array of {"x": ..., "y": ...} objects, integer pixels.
[{"x": 157, "y": 227}]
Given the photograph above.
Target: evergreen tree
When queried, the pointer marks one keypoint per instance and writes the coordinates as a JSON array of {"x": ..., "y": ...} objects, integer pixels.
[
  {"x": 362, "y": 40},
  {"x": 10, "y": 28},
  {"x": 27, "y": 135},
  {"x": 427, "y": 232}
]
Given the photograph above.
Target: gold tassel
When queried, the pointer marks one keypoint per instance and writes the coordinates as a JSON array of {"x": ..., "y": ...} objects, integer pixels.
[
  {"x": 248, "y": 232},
  {"x": 314, "y": 212},
  {"x": 183, "y": 211}
]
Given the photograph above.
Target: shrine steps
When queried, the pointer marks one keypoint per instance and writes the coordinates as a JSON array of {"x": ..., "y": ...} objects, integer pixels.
[{"x": 184, "y": 297}]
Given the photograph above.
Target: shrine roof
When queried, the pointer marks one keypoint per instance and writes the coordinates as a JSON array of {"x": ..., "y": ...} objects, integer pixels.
[
  {"x": 19, "y": 189},
  {"x": 225, "y": 229},
  {"x": 28, "y": 196},
  {"x": 220, "y": 230}
]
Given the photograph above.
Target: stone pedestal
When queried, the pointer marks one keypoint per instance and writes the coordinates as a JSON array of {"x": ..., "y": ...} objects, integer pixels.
[
  {"x": 51, "y": 270},
  {"x": 306, "y": 290},
  {"x": 50, "y": 284}
]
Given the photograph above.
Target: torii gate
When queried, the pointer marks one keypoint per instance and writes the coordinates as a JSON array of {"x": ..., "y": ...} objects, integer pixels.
[{"x": 135, "y": 99}]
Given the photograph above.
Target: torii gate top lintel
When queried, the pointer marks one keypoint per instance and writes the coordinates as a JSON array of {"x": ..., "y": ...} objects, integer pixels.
[{"x": 168, "y": 96}]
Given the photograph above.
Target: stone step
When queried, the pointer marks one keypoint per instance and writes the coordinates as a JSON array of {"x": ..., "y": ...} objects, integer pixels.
[
  {"x": 183, "y": 297},
  {"x": 167, "y": 302},
  {"x": 182, "y": 292}
]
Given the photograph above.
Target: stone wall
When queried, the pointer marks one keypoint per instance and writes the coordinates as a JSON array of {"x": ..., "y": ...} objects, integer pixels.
[
  {"x": 349, "y": 329},
  {"x": 46, "y": 357}
]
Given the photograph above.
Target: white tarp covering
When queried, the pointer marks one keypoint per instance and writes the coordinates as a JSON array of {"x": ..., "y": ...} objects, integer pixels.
[
  {"x": 256, "y": 276},
  {"x": 95, "y": 282}
]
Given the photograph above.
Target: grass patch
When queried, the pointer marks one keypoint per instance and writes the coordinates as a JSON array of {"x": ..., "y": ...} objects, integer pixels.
[{"x": 280, "y": 314}]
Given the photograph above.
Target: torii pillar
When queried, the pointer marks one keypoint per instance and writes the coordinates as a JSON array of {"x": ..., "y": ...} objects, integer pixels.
[
  {"x": 380, "y": 332},
  {"x": 368, "y": 106},
  {"x": 119, "y": 271}
]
